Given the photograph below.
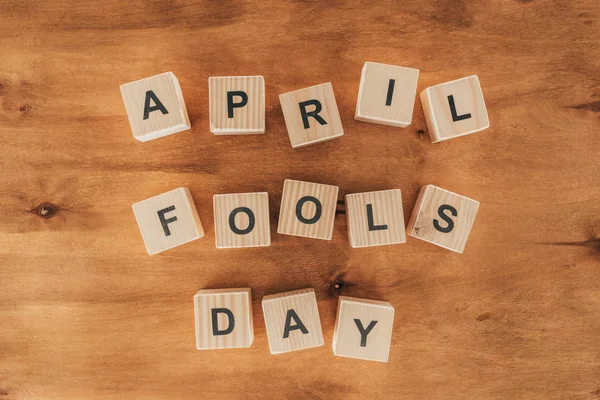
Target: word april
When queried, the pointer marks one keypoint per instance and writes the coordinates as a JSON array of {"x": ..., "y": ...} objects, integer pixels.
[{"x": 156, "y": 108}]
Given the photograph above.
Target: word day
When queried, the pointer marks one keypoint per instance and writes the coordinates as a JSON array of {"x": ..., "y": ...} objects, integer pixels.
[
  {"x": 155, "y": 106},
  {"x": 308, "y": 210},
  {"x": 223, "y": 318}
]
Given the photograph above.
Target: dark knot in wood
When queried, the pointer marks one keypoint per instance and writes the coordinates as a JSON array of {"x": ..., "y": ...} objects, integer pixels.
[{"x": 46, "y": 210}]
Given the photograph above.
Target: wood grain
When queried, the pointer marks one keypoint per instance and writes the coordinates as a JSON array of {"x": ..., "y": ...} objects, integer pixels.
[
  {"x": 373, "y": 104},
  {"x": 469, "y": 103},
  {"x": 458, "y": 221},
  {"x": 180, "y": 217},
  {"x": 315, "y": 202},
  {"x": 247, "y": 119},
  {"x": 303, "y": 327},
  {"x": 239, "y": 303},
  {"x": 250, "y": 235},
  {"x": 376, "y": 320},
  {"x": 167, "y": 110},
  {"x": 387, "y": 218},
  {"x": 328, "y": 128},
  {"x": 85, "y": 312}
]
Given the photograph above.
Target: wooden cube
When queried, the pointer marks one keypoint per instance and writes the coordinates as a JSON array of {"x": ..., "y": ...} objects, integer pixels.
[
  {"x": 292, "y": 321},
  {"x": 242, "y": 220},
  {"x": 454, "y": 109},
  {"x": 155, "y": 107},
  {"x": 311, "y": 115},
  {"x": 387, "y": 94},
  {"x": 168, "y": 220},
  {"x": 375, "y": 218},
  {"x": 237, "y": 105},
  {"x": 363, "y": 329},
  {"x": 443, "y": 218},
  {"x": 307, "y": 209},
  {"x": 223, "y": 318}
]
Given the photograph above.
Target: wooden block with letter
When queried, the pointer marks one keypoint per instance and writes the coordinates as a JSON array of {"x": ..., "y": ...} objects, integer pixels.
[
  {"x": 311, "y": 115},
  {"x": 237, "y": 105},
  {"x": 387, "y": 94},
  {"x": 223, "y": 318},
  {"x": 242, "y": 220},
  {"x": 168, "y": 220},
  {"x": 454, "y": 109},
  {"x": 443, "y": 218},
  {"x": 155, "y": 107},
  {"x": 292, "y": 321},
  {"x": 307, "y": 209},
  {"x": 375, "y": 218},
  {"x": 363, "y": 329}
]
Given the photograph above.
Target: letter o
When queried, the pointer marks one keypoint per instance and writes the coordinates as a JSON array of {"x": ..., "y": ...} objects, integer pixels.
[
  {"x": 251, "y": 220},
  {"x": 318, "y": 211}
]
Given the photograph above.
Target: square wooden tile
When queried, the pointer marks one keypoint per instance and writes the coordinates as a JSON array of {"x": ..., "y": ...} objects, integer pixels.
[
  {"x": 454, "y": 109},
  {"x": 292, "y": 321},
  {"x": 237, "y": 105},
  {"x": 155, "y": 107},
  {"x": 223, "y": 318},
  {"x": 375, "y": 218},
  {"x": 242, "y": 220},
  {"x": 311, "y": 115},
  {"x": 443, "y": 218},
  {"x": 363, "y": 329},
  {"x": 387, "y": 94},
  {"x": 168, "y": 220},
  {"x": 307, "y": 209}
]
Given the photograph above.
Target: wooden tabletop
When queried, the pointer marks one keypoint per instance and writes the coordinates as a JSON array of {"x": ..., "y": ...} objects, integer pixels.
[{"x": 85, "y": 313}]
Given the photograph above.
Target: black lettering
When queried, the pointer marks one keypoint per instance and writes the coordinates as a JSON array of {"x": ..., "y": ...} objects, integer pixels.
[
  {"x": 291, "y": 314},
  {"x": 364, "y": 332},
  {"x": 215, "y": 321},
  {"x": 231, "y": 105},
  {"x": 150, "y": 96},
  {"x": 390, "y": 92},
  {"x": 456, "y": 117},
  {"x": 165, "y": 222},
  {"x": 251, "y": 220},
  {"x": 372, "y": 226},
  {"x": 318, "y": 211},
  {"x": 314, "y": 114},
  {"x": 446, "y": 218}
]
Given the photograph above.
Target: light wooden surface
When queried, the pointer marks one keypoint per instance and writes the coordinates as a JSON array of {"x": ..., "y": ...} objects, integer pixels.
[
  {"x": 292, "y": 321},
  {"x": 470, "y": 113},
  {"x": 371, "y": 339},
  {"x": 168, "y": 220},
  {"x": 236, "y": 301},
  {"x": 248, "y": 118},
  {"x": 387, "y": 224},
  {"x": 329, "y": 125},
  {"x": 243, "y": 206},
  {"x": 314, "y": 202},
  {"x": 386, "y": 94},
  {"x": 85, "y": 312},
  {"x": 155, "y": 106},
  {"x": 443, "y": 218}
]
